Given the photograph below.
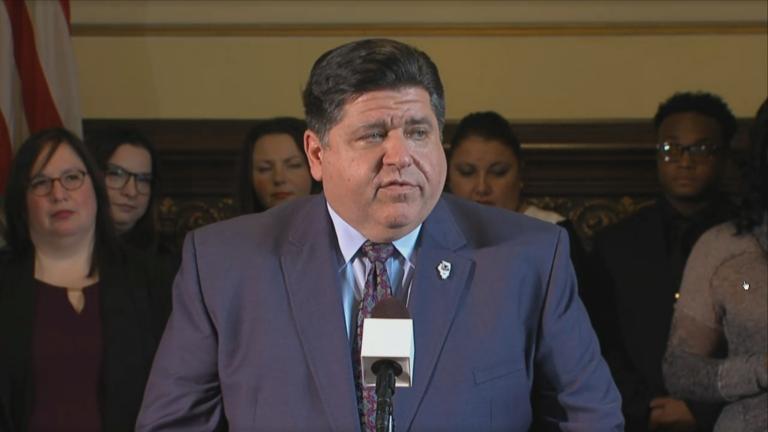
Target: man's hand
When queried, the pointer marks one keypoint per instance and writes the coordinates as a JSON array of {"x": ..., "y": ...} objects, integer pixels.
[{"x": 673, "y": 415}]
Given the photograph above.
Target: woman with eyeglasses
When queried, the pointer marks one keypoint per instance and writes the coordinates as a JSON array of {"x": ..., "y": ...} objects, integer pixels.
[
  {"x": 130, "y": 166},
  {"x": 80, "y": 318},
  {"x": 129, "y": 163}
]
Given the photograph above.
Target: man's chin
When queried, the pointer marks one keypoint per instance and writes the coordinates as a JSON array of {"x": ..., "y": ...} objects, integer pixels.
[
  {"x": 393, "y": 227},
  {"x": 692, "y": 196}
]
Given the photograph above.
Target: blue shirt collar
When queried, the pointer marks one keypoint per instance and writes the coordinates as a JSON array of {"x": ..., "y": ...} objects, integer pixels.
[{"x": 350, "y": 239}]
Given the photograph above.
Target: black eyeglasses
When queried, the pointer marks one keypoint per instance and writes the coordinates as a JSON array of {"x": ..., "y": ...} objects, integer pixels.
[
  {"x": 70, "y": 180},
  {"x": 673, "y": 152},
  {"x": 117, "y": 177}
]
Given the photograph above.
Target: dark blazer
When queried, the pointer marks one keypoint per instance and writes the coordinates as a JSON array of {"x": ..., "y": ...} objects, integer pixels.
[
  {"x": 257, "y": 336},
  {"x": 132, "y": 321},
  {"x": 630, "y": 293}
]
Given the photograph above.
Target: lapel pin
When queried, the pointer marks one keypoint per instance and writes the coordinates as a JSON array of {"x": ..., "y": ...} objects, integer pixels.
[
  {"x": 745, "y": 285},
  {"x": 444, "y": 269}
]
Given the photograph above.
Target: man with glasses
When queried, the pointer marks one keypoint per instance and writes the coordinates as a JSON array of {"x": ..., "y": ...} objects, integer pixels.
[{"x": 638, "y": 262}]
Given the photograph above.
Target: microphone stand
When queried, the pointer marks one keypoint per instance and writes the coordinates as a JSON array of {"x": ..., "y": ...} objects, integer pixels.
[{"x": 386, "y": 371}]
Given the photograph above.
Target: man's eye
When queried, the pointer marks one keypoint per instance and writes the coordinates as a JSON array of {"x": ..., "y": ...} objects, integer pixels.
[
  {"x": 670, "y": 148},
  {"x": 418, "y": 133},
  {"x": 700, "y": 149},
  {"x": 375, "y": 136}
]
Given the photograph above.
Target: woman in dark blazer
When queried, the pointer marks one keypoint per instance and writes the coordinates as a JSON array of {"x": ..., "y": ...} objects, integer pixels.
[{"x": 80, "y": 317}]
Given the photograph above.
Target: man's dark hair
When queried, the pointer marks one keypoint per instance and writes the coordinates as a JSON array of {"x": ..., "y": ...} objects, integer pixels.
[
  {"x": 488, "y": 125},
  {"x": 103, "y": 145},
  {"x": 44, "y": 144},
  {"x": 247, "y": 201},
  {"x": 703, "y": 103},
  {"x": 346, "y": 72}
]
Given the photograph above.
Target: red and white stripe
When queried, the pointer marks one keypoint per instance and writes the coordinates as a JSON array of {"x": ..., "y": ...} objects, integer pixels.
[{"x": 38, "y": 76}]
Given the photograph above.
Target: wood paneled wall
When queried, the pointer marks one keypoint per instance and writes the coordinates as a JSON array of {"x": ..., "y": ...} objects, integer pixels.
[{"x": 594, "y": 173}]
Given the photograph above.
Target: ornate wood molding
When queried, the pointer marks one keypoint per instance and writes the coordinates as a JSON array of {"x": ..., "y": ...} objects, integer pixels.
[
  {"x": 588, "y": 214},
  {"x": 415, "y": 30}
]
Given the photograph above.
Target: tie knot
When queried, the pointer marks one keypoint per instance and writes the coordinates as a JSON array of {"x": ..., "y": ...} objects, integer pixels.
[{"x": 378, "y": 252}]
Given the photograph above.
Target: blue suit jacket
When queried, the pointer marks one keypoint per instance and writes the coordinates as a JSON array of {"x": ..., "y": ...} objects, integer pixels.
[{"x": 257, "y": 333}]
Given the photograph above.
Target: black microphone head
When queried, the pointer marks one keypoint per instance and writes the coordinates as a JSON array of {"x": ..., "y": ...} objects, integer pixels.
[{"x": 390, "y": 307}]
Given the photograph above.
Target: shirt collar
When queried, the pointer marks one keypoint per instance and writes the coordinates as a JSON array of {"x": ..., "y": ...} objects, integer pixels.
[{"x": 350, "y": 239}]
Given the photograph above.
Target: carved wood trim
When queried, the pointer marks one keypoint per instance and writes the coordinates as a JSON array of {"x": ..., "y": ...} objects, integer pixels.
[{"x": 414, "y": 30}]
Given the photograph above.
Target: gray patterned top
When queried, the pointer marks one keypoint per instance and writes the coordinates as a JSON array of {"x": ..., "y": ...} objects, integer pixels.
[{"x": 723, "y": 307}]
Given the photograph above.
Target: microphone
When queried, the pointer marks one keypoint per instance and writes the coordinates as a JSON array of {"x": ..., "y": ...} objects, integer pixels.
[{"x": 387, "y": 355}]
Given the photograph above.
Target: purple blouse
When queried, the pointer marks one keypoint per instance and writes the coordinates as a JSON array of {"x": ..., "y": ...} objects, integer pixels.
[{"x": 66, "y": 361}]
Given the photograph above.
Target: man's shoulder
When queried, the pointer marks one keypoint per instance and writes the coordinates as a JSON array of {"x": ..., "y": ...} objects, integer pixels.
[
  {"x": 640, "y": 222},
  {"x": 264, "y": 228},
  {"x": 485, "y": 226}
]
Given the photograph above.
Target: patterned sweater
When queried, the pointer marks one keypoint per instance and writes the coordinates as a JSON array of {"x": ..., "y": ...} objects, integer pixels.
[{"x": 718, "y": 344}]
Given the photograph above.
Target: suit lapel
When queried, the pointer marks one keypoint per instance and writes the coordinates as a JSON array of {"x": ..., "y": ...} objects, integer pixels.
[
  {"x": 650, "y": 253},
  {"x": 647, "y": 294},
  {"x": 433, "y": 304},
  {"x": 310, "y": 268}
]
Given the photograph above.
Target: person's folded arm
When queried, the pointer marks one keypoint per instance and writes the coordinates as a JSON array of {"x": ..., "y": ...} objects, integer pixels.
[{"x": 691, "y": 370}]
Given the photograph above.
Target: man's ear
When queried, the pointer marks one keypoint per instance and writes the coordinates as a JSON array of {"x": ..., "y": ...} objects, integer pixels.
[{"x": 314, "y": 150}]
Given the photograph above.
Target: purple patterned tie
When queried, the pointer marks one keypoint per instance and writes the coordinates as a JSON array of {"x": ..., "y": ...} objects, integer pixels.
[{"x": 376, "y": 288}]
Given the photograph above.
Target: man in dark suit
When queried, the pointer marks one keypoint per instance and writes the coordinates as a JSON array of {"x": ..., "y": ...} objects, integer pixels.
[
  {"x": 266, "y": 306},
  {"x": 638, "y": 262}
]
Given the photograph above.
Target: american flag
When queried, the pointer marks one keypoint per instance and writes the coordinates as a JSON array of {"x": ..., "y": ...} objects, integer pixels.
[{"x": 38, "y": 76}]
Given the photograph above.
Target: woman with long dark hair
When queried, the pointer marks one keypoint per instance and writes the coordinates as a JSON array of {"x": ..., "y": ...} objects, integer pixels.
[
  {"x": 130, "y": 165},
  {"x": 717, "y": 350},
  {"x": 273, "y": 167},
  {"x": 80, "y": 318}
]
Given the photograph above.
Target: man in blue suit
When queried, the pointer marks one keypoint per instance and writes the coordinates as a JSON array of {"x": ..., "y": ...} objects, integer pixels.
[{"x": 263, "y": 324}]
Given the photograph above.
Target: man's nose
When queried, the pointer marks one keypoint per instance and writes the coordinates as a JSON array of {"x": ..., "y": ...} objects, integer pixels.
[
  {"x": 685, "y": 158},
  {"x": 398, "y": 151}
]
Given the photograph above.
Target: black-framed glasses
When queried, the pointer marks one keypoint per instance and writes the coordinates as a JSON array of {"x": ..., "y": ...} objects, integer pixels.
[
  {"x": 117, "y": 177},
  {"x": 673, "y": 152},
  {"x": 70, "y": 180}
]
